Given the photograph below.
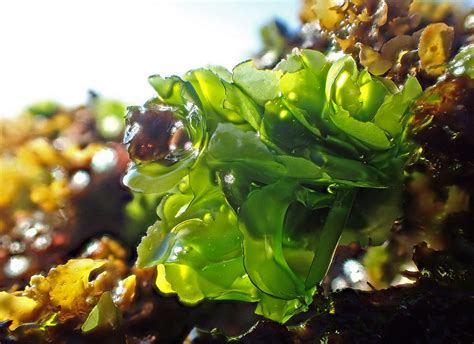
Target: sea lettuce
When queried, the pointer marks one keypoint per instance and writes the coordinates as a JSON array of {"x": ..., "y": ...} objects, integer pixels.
[{"x": 272, "y": 168}]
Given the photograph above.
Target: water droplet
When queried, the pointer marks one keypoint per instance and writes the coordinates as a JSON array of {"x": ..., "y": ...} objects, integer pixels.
[
  {"x": 16, "y": 247},
  {"x": 208, "y": 218},
  {"x": 293, "y": 96},
  {"x": 183, "y": 187},
  {"x": 284, "y": 113},
  {"x": 339, "y": 283},
  {"x": 80, "y": 180},
  {"x": 229, "y": 178},
  {"x": 157, "y": 134},
  {"x": 354, "y": 270},
  {"x": 5, "y": 241},
  {"x": 111, "y": 125},
  {"x": 30, "y": 233},
  {"x": 58, "y": 173},
  {"x": 104, "y": 160},
  {"x": 176, "y": 251},
  {"x": 16, "y": 266},
  {"x": 42, "y": 242},
  {"x": 60, "y": 143}
]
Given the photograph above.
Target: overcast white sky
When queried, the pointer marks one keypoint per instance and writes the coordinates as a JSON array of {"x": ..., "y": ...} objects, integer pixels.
[{"x": 56, "y": 49}]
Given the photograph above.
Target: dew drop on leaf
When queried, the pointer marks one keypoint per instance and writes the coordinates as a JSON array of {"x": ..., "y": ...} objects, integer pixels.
[
  {"x": 208, "y": 218},
  {"x": 156, "y": 135}
]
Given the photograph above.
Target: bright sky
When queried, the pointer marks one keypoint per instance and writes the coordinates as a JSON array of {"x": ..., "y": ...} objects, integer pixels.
[{"x": 56, "y": 49}]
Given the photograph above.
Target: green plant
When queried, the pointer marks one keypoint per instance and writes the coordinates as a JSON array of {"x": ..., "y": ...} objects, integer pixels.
[{"x": 262, "y": 170}]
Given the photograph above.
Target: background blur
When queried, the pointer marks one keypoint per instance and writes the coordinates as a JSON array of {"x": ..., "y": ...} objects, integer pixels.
[{"x": 58, "y": 50}]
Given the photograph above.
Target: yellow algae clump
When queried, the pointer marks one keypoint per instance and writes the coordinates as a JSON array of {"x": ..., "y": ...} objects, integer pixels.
[
  {"x": 434, "y": 48},
  {"x": 20, "y": 309},
  {"x": 70, "y": 283}
]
